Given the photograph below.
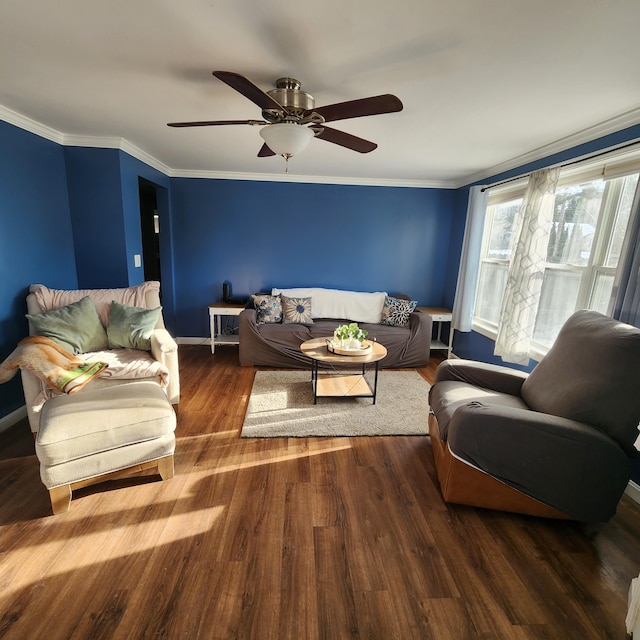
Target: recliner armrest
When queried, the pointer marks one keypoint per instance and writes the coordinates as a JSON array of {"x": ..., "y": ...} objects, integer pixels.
[{"x": 482, "y": 374}]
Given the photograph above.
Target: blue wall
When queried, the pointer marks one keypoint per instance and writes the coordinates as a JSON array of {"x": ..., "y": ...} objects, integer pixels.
[
  {"x": 105, "y": 213},
  {"x": 263, "y": 234},
  {"x": 131, "y": 170},
  {"x": 95, "y": 197},
  {"x": 70, "y": 218},
  {"x": 36, "y": 242}
]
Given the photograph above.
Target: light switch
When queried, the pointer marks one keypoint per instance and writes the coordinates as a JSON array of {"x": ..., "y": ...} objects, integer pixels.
[{"x": 137, "y": 260}]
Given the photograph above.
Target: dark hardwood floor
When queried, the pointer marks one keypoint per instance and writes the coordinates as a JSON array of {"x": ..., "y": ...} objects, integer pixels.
[{"x": 294, "y": 538}]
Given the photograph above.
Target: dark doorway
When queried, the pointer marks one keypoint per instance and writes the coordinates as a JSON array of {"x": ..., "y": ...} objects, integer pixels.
[{"x": 150, "y": 226}]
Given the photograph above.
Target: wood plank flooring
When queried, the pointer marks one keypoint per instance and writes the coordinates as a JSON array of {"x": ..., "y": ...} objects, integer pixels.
[{"x": 294, "y": 539}]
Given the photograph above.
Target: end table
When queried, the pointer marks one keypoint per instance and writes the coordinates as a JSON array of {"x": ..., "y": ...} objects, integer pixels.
[
  {"x": 440, "y": 315},
  {"x": 216, "y": 311}
]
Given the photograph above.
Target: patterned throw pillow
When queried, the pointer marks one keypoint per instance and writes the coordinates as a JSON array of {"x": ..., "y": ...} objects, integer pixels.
[
  {"x": 396, "y": 312},
  {"x": 268, "y": 309},
  {"x": 296, "y": 310}
]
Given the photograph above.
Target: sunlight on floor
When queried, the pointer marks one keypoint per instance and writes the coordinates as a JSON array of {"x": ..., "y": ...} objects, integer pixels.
[
  {"x": 275, "y": 400},
  {"x": 116, "y": 529},
  {"x": 107, "y": 542},
  {"x": 273, "y": 457}
]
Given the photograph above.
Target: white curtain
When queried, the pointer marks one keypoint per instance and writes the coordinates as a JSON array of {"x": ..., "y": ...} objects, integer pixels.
[
  {"x": 526, "y": 269},
  {"x": 467, "y": 285},
  {"x": 626, "y": 305}
]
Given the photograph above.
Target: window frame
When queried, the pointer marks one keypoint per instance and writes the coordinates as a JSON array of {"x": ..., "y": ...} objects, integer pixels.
[{"x": 608, "y": 166}]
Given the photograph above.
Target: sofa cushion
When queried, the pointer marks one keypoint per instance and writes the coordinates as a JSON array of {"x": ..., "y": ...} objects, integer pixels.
[
  {"x": 396, "y": 312},
  {"x": 447, "y": 396},
  {"x": 131, "y": 327},
  {"x": 278, "y": 345},
  {"x": 296, "y": 310},
  {"x": 591, "y": 348},
  {"x": 268, "y": 308},
  {"x": 76, "y": 327}
]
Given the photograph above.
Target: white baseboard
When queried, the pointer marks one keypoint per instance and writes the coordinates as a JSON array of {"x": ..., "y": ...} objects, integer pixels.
[
  {"x": 14, "y": 417},
  {"x": 633, "y": 491},
  {"x": 206, "y": 341}
]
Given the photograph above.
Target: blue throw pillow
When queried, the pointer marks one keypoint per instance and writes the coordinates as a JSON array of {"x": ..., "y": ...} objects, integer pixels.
[{"x": 396, "y": 312}]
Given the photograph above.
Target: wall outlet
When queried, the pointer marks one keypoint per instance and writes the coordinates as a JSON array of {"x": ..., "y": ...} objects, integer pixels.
[{"x": 137, "y": 260}]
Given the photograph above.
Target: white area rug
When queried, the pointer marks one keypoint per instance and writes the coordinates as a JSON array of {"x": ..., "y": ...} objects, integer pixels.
[{"x": 281, "y": 405}]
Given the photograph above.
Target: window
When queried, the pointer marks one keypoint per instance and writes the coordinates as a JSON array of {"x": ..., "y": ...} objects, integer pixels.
[{"x": 591, "y": 213}]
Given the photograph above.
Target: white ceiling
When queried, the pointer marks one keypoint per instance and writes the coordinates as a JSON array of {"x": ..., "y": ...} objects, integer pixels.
[{"x": 482, "y": 82}]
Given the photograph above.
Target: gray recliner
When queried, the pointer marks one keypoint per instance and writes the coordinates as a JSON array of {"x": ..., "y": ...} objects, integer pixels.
[{"x": 557, "y": 442}]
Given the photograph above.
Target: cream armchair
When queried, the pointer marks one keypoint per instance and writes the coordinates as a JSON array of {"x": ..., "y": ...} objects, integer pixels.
[{"x": 159, "y": 365}]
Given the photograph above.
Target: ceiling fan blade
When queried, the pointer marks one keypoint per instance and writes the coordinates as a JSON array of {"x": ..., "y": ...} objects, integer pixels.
[
  {"x": 214, "y": 123},
  {"x": 265, "y": 152},
  {"x": 248, "y": 90},
  {"x": 373, "y": 106},
  {"x": 344, "y": 139}
]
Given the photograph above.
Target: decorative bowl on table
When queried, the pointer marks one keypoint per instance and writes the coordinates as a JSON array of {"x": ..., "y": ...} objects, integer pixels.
[
  {"x": 349, "y": 340},
  {"x": 342, "y": 348}
]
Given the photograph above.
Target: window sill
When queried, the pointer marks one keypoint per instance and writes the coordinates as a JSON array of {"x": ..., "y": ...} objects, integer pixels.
[
  {"x": 485, "y": 329},
  {"x": 490, "y": 331}
]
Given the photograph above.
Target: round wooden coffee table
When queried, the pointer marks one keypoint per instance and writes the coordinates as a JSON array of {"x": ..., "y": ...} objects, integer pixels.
[{"x": 338, "y": 378}]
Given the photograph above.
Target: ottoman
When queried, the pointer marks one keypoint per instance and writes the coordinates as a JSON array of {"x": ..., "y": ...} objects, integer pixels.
[{"x": 104, "y": 434}]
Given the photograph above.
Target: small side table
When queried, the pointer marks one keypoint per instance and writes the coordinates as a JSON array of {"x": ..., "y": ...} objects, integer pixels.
[
  {"x": 440, "y": 315},
  {"x": 216, "y": 311}
]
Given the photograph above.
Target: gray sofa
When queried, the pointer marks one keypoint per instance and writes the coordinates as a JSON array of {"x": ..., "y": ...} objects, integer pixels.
[
  {"x": 278, "y": 344},
  {"x": 555, "y": 443}
]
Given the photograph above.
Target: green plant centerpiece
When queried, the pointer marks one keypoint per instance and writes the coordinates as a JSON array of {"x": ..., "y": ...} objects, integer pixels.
[{"x": 349, "y": 336}]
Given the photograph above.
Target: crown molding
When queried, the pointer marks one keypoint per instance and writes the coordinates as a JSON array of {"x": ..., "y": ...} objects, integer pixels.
[
  {"x": 71, "y": 140},
  {"x": 97, "y": 142},
  {"x": 145, "y": 157},
  {"x": 618, "y": 123},
  {"x": 628, "y": 119},
  {"x": 269, "y": 177},
  {"x": 32, "y": 126}
]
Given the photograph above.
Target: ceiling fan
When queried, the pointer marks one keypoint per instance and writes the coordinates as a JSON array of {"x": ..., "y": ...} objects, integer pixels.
[{"x": 291, "y": 118}]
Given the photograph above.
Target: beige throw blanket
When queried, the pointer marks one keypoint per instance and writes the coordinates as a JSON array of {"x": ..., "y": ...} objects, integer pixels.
[{"x": 56, "y": 367}]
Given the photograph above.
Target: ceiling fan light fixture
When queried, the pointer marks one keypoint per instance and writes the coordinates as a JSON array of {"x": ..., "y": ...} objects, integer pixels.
[{"x": 286, "y": 138}]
